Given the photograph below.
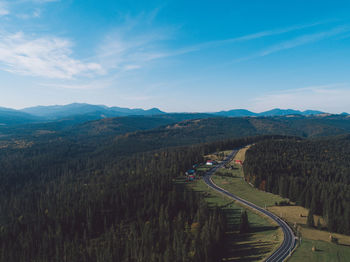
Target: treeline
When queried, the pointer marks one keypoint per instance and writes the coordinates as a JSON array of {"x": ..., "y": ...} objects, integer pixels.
[
  {"x": 63, "y": 204},
  {"x": 313, "y": 173}
]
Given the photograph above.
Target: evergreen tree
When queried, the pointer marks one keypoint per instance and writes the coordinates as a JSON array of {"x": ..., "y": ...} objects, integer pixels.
[
  {"x": 310, "y": 219},
  {"x": 319, "y": 226},
  {"x": 317, "y": 172},
  {"x": 244, "y": 226}
]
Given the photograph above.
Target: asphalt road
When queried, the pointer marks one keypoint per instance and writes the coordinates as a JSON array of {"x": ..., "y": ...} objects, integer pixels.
[{"x": 288, "y": 243}]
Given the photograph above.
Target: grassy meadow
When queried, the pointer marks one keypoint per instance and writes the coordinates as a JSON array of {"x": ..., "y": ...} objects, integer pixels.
[
  {"x": 231, "y": 179},
  {"x": 325, "y": 252},
  {"x": 254, "y": 246}
]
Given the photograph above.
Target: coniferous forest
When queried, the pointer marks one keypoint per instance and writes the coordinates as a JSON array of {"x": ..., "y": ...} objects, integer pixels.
[
  {"x": 108, "y": 190},
  {"x": 66, "y": 204},
  {"x": 313, "y": 173}
]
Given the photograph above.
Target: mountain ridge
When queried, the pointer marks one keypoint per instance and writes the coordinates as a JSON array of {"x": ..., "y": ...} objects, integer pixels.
[
  {"x": 61, "y": 111},
  {"x": 82, "y": 112},
  {"x": 272, "y": 112}
]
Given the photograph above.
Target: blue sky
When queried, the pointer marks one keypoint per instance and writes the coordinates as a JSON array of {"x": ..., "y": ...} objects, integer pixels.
[{"x": 194, "y": 56}]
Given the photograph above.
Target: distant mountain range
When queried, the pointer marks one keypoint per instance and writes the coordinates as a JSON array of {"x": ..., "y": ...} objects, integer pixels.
[
  {"x": 273, "y": 112},
  {"x": 77, "y": 112},
  {"x": 80, "y": 112},
  {"x": 99, "y": 111},
  {"x": 13, "y": 117}
]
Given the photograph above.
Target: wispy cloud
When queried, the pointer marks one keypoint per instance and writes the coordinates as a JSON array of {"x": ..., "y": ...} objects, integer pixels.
[
  {"x": 133, "y": 44},
  {"x": 78, "y": 86},
  {"x": 330, "y": 98},
  {"x": 248, "y": 37},
  {"x": 296, "y": 42},
  {"x": 44, "y": 1},
  {"x": 15, "y": 8},
  {"x": 305, "y": 39},
  {"x": 34, "y": 14},
  {"x": 128, "y": 47},
  {"x": 35, "y": 1},
  {"x": 3, "y": 9},
  {"x": 46, "y": 56}
]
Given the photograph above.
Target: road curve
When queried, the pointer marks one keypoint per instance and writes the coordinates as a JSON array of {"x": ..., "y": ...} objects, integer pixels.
[{"x": 288, "y": 243}]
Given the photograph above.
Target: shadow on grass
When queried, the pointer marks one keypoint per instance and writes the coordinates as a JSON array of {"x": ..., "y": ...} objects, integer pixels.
[
  {"x": 252, "y": 251},
  {"x": 240, "y": 247},
  {"x": 263, "y": 228},
  {"x": 228, "y": 175},
  {"x": 345, "y": 245},
  {"x": 318, "y": 250}
]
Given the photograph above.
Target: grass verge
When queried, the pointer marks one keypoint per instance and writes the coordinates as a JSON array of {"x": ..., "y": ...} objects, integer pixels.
[
  {"x": 233, "y": 181},
  {"x": 325, "y": 252},
  {"x": 263, "y": 239}
]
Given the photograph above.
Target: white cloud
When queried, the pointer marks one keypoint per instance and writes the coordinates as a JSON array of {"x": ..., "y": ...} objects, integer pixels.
[
  {"x": 332, "y": 98},
  {"x": 36, "y": 1},
  {"x": 298, "y": 41},
  {"x": 44, "y": 1},
  {"x": 35, "y": 14},
  {"x": 248, "y": 37},
  {"x": 3, "y": 9},
  {"x": 126, "y": 53},
  {"x": 137, "y": 49},
  {"x": 134, "y": 43},
  {"x": 46, "y": 56},
  {"x": 305, "y": 39},
  {"x": 78, "y": 86},
  {"x": 15, "y": 8}
]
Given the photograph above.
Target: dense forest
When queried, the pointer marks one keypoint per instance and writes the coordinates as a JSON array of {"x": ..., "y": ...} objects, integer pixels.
[
  {"x": 107, "y": 190},
  {"x": 65, "y": 204},
  {"x": 313, "y": 173},
  {"x": 178, "y": 129}
]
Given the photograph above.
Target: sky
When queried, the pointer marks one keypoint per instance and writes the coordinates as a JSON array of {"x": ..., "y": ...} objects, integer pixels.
[{"x": 179, "y": 56}]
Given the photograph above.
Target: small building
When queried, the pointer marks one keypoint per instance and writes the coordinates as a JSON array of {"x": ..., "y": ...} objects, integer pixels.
[
  {"x": 239, "y": 162},
  {"x": 191, "y": 177},
  {"x": 190, "y": 172},
  {"x": 209, "y": 162}
]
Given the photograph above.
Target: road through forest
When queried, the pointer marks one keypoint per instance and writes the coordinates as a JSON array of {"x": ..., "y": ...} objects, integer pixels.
[{"x": 288, "y": 244}]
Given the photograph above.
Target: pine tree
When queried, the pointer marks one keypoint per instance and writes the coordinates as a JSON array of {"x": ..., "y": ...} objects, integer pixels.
[
  {"x": 310, "y": 219},
  {"x": 319, "y": 226},
  {"x": 244, "y": 224}
]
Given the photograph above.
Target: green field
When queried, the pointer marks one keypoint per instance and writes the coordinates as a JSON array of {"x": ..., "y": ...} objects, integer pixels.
[
  {"x": 233, "y": 181},
  {"x": 255, "y": 246},
  {"x": 325, "y": 252},
  {"x": 204, "y": 168}
]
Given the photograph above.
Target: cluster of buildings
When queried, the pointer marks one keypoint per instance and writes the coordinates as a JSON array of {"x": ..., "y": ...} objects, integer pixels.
[
  {"x": 210, "y": 162},
  {"x": 191, "y": 173}
]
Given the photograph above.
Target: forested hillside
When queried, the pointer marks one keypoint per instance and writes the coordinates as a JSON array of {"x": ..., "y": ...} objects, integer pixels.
[
  {"x": 81, "y": 126},
  {"x": 85, "y": 212},
  {"x": 105, "y": 190},
  {"x": 213, "y": 129},
  {"x": 61, "y": 203},
  {"x": 314, "y": 173}
]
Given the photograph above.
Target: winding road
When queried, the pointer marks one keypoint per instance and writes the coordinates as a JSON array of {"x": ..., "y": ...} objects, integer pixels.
[{"x": 288, "y": 243}]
